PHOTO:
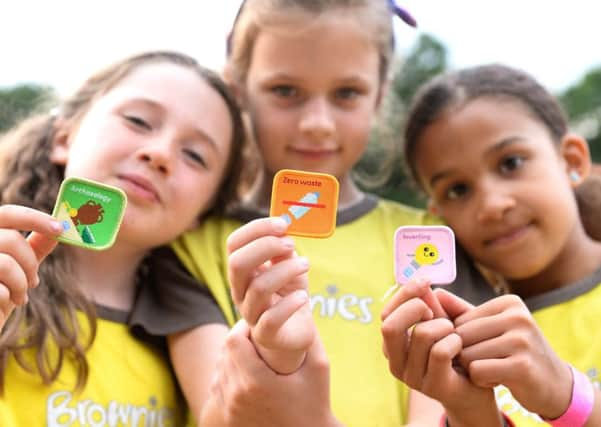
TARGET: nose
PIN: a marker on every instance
(158, 154)
(317, 118)
(495, 202)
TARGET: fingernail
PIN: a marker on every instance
(303, 262)
(56, 226)
(301, 295)
(288, 242)
(279, 224)
(36, 281)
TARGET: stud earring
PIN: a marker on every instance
(574, 176)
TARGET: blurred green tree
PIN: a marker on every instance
(19, 102)
(381, 169)
(582, 103)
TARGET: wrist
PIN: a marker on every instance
(552, 402)
(282, 362)
(581, 402)
(477, 409)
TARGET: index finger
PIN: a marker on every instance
(452, 305)
(405, 293)
(490, 308)
(27, 219)
(255, 229)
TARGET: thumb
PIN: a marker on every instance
(452, 304)
(41, 244)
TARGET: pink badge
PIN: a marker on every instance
(424, 252)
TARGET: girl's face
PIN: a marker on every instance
(495, 176)
(312, 92)
(163, 135)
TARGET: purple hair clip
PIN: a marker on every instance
(402, 13)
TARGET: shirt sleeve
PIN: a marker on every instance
(171, 300)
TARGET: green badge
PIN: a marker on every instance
(90, 213)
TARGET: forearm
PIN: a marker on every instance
(486, 413)
(215, 415)
(476, 419)
(194, 355)
(423, 410)
(210, 416)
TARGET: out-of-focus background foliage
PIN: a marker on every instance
(379, 171)
(19, 102)
(428, 57)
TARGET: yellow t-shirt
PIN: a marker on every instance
(130, 384)
(349, 274)
(569, 318)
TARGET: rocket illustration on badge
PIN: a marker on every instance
(300, 208)
(425, 254)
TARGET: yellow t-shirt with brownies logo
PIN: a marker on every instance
(130, 384)
(350, 272)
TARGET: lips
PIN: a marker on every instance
(313, 152)
(507, 235)
(139, 187)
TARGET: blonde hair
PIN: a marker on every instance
(374, 17)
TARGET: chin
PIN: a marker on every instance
(519, 272)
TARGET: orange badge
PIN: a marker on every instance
(307, 201)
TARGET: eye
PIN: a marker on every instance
(511, 163)
(195, 157)
(456, 191)
(285, 91)
(347, 93)
(138, 122)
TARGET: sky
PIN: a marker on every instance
(60, 42)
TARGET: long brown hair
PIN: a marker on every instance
(49, 322)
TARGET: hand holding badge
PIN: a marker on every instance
(89, 212)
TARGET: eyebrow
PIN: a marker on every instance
(277, 76)
(499, 146)
(356, 82)
(158, 106)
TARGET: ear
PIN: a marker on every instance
(574, 150)
(432, 208)
(60, 143)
